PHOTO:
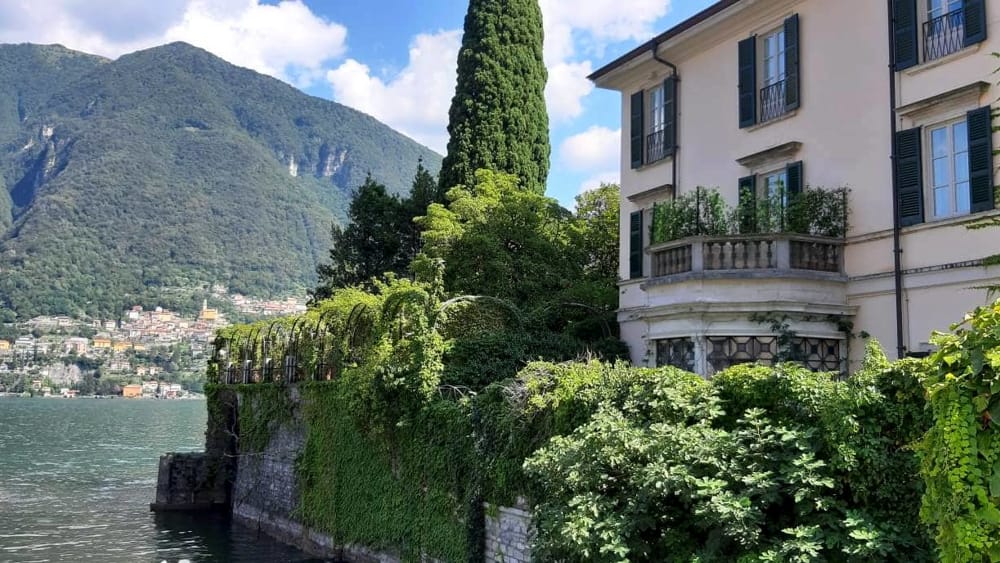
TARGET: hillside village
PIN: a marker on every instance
(144, 353)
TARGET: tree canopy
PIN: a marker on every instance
(498, 119)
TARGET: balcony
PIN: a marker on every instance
(726, 282)
(717, 256)
(944, 35)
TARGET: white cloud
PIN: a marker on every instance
(415, 100)
(605, 21)
(595, 181)
(566, 88)
(597, 148)
(286, 40)
(575, 29)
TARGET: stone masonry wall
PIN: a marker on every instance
(189, 481)
(508, 534)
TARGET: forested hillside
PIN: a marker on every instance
(171, 168)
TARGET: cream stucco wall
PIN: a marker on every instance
(844, 130)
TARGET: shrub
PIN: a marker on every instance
(760, 464)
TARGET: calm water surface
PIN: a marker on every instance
(77, 477)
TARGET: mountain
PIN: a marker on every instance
(170, 168)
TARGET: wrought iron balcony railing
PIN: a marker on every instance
(944, 35)
(774, 252)
(772, 101)
(656, 146)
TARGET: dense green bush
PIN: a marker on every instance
(760, 464)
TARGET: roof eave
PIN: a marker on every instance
(647, 47)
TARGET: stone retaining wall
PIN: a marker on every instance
(508, 534)
(190, 481)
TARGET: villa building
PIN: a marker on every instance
(766, 101)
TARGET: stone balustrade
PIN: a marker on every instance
(773, 252)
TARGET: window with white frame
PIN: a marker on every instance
(931, 29)
(948, 168)
(944, 28)
(944, 162)
(774, 57)
(653, 123)
(768, 67)
(773, 186)
(656, 114)
(772, 72)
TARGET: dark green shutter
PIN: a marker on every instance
(980, 159)
(792, 63)
(635, 245)
(670, 114)
(904, 26)
(636, 128)
(793, 175)
(748, 81)
(909, 177)
(974, 17)
(748, 205)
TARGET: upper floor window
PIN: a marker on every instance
(653, 123)
(948, 158)
(655, 129)
(935, 28)
(772, 92)
(769, 74)
(946, 168)
(944, 30)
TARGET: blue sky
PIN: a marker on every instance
(393, 59)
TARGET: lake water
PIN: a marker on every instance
(77, 477)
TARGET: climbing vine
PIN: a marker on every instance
(960, 455)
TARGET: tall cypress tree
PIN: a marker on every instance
(498, 118)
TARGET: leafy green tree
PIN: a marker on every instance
(498, 118)
(597, 231)
(423, 193)
(499, 240)
(382, 236)
(368, 247)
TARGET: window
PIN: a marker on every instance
(727, 351)
(655, 145)
(945, 26)
(676, 352)
(944, 29)
(774, 187)
(653, 123)
(774, 58)
(772, 92)
(764, 197)
(948, 157)
(946, 168)
(816, 354)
